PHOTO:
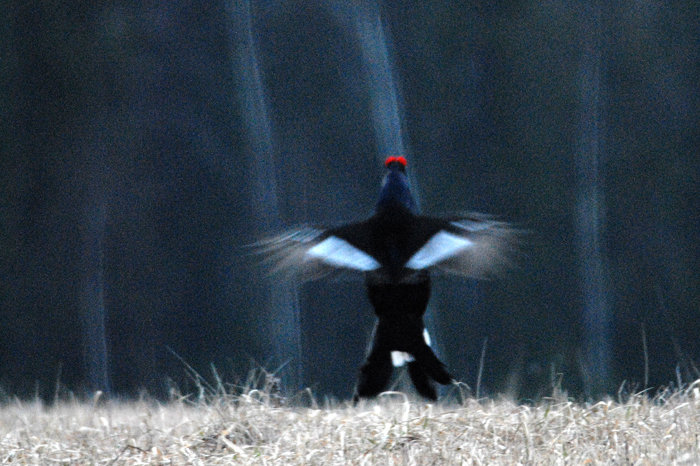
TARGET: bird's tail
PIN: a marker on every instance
(426, 362)
(424, 385)
(424, 367)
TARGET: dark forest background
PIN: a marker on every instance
(143, 144)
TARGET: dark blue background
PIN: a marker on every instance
(131, 168)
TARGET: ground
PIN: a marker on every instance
(257, 427)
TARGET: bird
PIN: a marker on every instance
(397, 249)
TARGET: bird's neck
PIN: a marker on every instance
(395, 194)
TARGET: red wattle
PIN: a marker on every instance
(400, 159)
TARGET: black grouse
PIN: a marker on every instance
(396, 248)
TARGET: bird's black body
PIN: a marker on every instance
(400, 308)
(400, 298)
(396, 248)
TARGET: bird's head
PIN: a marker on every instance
(396, 191)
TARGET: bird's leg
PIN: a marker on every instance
(375, 373)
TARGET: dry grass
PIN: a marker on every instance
(254, 427)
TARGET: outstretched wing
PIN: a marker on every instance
(473, 245)
(311, 252)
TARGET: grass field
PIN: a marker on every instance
(255, 427)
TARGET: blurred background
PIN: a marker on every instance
(143, 144)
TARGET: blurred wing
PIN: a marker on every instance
(336, 251)
(312, 253)
(472, 246)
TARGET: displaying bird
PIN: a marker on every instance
(396, 249)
